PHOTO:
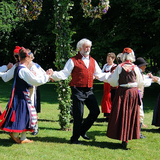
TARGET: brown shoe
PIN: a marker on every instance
(17, 140)
(26, 141)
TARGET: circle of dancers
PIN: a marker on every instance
(121, 105)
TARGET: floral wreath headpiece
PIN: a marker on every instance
(29, 9)
(94, 12)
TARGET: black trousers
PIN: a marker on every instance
(81, 96)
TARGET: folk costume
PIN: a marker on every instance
(124, 118)
(156, 112)
(20, 115)
(82, 70)
(108, 92)
(35, 92)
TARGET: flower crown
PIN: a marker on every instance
(29, 9)
(94, 12)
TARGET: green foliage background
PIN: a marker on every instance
(128, 23)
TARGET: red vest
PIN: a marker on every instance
(81, 75)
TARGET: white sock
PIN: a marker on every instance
(15, 134)
(23, 136)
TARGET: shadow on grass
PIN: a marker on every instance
(47, 120)
(153, 130)
(49, 128)
(109, 145)
(6, 142)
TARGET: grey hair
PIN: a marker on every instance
(128, 56)
(83, 41)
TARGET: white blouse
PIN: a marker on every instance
(7, 76)
(3, 68)
(107, 67)
(113, 79)
(26, 75)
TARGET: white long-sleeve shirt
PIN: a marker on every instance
(3, 68)
(7, 76)
(38, 70)
(147, 81)
(113, 79)
(27, 76)
(64, 74)
(107, 67)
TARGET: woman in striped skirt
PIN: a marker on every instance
(124, 118)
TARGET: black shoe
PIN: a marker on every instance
(35, 132)
(141, 136)
(71, 121)
(85, 137)
(76, 142)
(124, 144)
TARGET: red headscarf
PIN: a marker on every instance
(127, 50)
(16, 50)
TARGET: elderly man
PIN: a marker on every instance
(82, 68)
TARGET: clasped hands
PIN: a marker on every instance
(154, 78)
(50, 72)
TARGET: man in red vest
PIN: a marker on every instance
(82, 68)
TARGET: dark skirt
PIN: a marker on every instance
(156, 113)
(38, 100)
(19, 115)
(124, 122)
(21, 118)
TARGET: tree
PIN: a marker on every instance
(8, 22)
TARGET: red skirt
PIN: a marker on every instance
(106, 102)
(124, 122)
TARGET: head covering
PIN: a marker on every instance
(140, 62)
(16, 50)
(127, 50)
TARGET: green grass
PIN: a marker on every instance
(53, 144)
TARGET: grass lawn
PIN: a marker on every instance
(53, 144)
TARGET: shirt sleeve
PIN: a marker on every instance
(3, 68)
(139, 78)
(158, 80)
(147, 81)
(30, 78)
(113, 79)
(104, 67)
(7, 76)
(64, 74)
(37, 71)
(99, 74)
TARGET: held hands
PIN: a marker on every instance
(50, 72)
(9, 65)
(155, 79)
(150, 75)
